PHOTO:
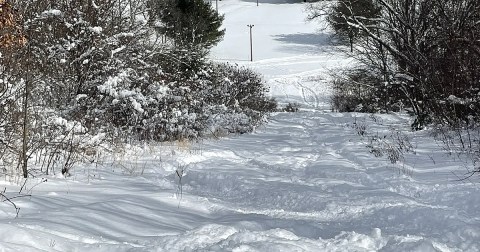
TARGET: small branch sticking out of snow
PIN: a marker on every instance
(4, 198)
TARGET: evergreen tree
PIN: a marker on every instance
(191, 23)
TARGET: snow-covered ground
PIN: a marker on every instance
(303, 182)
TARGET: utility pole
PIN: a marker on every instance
(251, 44)
(257, 2)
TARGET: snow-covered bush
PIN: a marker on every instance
(242, 92)
(360, 90)
(171, 106)
(291, 107)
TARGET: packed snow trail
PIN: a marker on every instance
(303, 182)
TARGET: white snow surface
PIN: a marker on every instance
(303, 182)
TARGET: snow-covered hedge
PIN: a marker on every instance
(170, 106)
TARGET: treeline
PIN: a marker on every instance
(78, 73)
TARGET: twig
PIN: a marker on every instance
(23, 186)
(180, 170)
(9, 200)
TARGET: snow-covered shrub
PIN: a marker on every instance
(60, 143)
(148, 98)
(291, 107)
(136, 99)
(359, 90)
(237, 98)
(463, 143)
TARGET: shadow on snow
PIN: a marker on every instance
(275, 1)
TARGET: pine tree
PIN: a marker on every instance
(191, 23)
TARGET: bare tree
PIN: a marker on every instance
(422, 54)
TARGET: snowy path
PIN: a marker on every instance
(307, 175)
(303, 182)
